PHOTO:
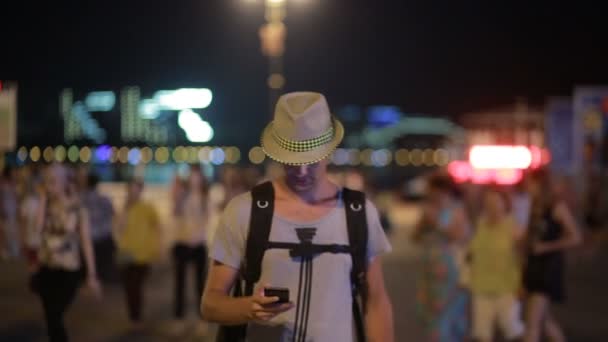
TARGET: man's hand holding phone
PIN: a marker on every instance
(264, 308)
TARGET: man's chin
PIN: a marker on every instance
(300, 188)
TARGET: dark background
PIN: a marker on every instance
(442, 58)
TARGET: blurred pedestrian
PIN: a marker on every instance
(495, 269)
(138, 232)
(8, 215)
(65, 236)
(552, 231)
(444, 227)
(30, 232)
(101, 214)
(231, 184)
(522, 202)
(190, 249)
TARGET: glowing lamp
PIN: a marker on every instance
(500, 157)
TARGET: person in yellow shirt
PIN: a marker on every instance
(495, 270)
(138, 235)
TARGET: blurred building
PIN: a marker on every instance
(516, 124)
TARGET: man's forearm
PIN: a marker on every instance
(379, 321)
(220, 308)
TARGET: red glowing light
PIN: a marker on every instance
(500, 157)
(459, 170)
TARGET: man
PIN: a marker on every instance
(101, 213)
(301, 137)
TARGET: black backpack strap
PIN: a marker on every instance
(260, 222)
(356, 222)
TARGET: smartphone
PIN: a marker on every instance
(281, 292)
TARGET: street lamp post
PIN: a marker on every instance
(272, 36)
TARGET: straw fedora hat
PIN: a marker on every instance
(303, 130)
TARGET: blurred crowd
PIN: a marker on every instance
(491, 256)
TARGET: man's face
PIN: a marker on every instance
(303, 178)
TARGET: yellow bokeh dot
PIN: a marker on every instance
(85, 154)
(161, 155)
(416, 157)
(123, 155)
(257, 155)
(366, 157)
(233, 155)
(146, 155)
(276, 81)
(192, 153)
(73, 154)
(35, 153)
(441, 157)
(114, 155)
(48, 154)
(180, 154)
(60, 153)
(428, 157)
(402, 157)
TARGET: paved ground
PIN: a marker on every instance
(585, 316)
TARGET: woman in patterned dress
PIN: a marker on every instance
(441, 302)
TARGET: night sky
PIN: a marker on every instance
(441, 58)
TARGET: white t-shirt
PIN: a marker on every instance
(327, 298)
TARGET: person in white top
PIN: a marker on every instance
(190, 249)
(64, 234)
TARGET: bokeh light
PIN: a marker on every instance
(217, 156)
(134, 156)
(123, 155)
(85, 154)
(146, 155)
(257, 155)
(114, 155)
(204, 155)
(161, 155)
(22, 153)
(402, 157)
(340, 157)
(180, 154)
(441, 157)
(60, 153)
(416, 157)
(233, 155)
(73, 154)
(103, 153)
(366, 157)
(354, 157)
(428, 157)
(381, 158)
(35, 153)
(48, 154)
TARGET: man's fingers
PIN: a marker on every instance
(264, 316)
(277, 308)
(260, 290)
(266, 300)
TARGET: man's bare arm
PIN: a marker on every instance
(379, 315)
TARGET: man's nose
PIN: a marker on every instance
(302, 170)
